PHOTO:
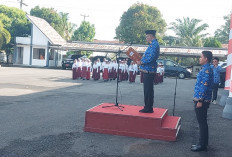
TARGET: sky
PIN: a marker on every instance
(106, 14)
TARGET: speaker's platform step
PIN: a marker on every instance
(130, 122)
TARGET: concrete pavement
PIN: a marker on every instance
(42, 113)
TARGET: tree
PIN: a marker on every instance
(67, 27)
(85, 32)
(222, 34)
(137, 19)
(189, 32)
(212, 42)
(4, 35)
(51, 16)
(170, 41)
(15, 22)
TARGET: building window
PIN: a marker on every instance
(39, 54)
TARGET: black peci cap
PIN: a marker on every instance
(152, 32)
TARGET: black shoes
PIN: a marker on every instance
(198, 148)
(146, 111)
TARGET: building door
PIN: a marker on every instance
(20, 55)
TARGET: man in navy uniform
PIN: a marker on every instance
(148, 67)
(202, 98)
(216, 75)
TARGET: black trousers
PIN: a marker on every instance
(201, 114)
(215, 90)
(148, 88)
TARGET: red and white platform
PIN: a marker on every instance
(130, 122)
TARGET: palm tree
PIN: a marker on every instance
(223, 33)
(67, 27)
(4, 35)
(189, 32)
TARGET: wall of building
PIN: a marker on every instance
(26, 55)
(38, 37)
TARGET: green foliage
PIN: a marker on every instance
(85, 32)
(170, 41)
(67, 27)
(137, 19)
(59, 21)
(71, 53)
(189, 32)
(15, 24)
(212, 42)
(14, 21)
(4, 35)
(222, 34)
(51, 16)
(6, 21)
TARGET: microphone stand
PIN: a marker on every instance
(116, 100)
(173, 112)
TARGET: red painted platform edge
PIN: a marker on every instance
(173, 119)
(165, 113)
(158, 118)
(130, 134)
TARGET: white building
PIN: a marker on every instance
(37, 50)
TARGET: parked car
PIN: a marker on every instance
(222, 74)
(173, 69)
(68, 62)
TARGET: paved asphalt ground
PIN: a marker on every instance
(42, 114)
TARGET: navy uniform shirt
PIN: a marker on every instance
(148, 61)
(216, 73)
(203, 87)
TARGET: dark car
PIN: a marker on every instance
(68, 62)
(222, 74)
(100, 57)
(171, 68)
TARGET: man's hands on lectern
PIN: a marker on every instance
(138, 62)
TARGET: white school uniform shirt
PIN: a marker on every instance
(84, 64)
(158, 70)
(115, 65)
(99, 65)
(106, 66)
(110, 66)
(74, 65)
(135, 67)
(121, 67)
(161, 70)
(95, 66)
(103, 65)
(126, 67)
(131, 68)
(89, 65)
(79, 64)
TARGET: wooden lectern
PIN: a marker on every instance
(133, 55)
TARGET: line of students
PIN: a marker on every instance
(159, 75)
(82, 68)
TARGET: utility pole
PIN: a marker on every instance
(84, 16)
(22, 3)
